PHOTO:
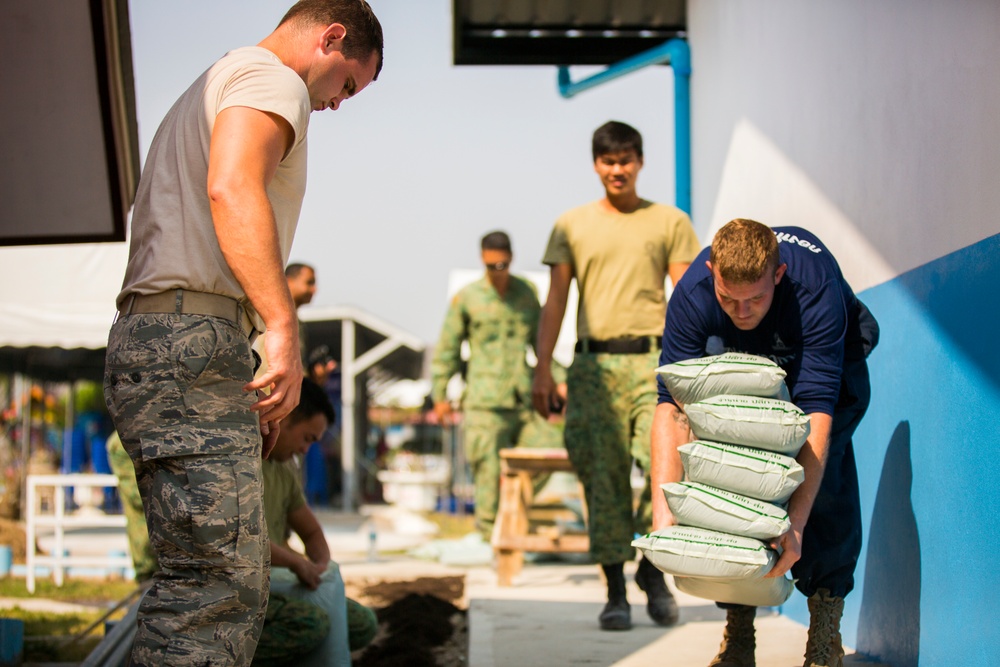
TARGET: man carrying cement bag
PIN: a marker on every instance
(780, 294)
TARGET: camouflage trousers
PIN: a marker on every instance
(143, 556)
(292, 629)
(486, 433)
(174, 388)
(609, 413)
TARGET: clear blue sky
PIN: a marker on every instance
(405, 178)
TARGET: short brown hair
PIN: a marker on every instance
(743, 251)
(364, 32)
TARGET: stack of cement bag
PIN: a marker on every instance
(738, 476)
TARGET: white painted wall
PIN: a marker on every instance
(874, 124)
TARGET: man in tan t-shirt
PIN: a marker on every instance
(212, 226)
(620, 249)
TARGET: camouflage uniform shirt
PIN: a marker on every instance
(499, 330)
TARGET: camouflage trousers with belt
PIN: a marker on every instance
(174, 388)
(609, 414)
(486, 433)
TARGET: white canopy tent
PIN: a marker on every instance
(60, 296)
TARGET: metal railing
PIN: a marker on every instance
(59, 520)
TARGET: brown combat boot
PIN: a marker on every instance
(825, 647)
(738, 643)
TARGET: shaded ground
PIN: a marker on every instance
(420, 622)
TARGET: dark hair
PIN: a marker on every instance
(615, 137)
(364, 32)
(295, 268)
(313, 401)
(496, 241)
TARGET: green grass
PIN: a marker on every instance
(48, 633)
(55, 624)
(453, 526)
(80, 591)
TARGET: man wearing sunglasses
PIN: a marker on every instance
(620, 249)
(498, 316)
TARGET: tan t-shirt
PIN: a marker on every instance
(173, 242)
(620, 263)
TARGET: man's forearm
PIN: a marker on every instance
(812, 457)
(250, 247)
(549, 324)
(317, 548)
(669, 431)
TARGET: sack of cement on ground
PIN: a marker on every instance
(756, 473)
(695, 380)
(762, 592)
(698, 552)
(765, 423)
(702, 506)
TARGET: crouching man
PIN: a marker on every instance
(311, 577)
(780, 294)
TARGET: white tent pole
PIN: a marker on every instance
(24, 398)
(347, 444)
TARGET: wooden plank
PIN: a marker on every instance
(543, 543)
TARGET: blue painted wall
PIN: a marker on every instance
(928, 456)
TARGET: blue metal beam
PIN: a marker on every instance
(677, 54)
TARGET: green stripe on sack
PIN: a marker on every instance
(703, 488)
(709, 445)
(670, 538)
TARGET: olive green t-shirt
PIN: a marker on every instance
(620, 262)
(282, 494)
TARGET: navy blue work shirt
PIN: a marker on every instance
(812, 323)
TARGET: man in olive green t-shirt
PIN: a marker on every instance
(620, 249)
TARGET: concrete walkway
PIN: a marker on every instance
(548, 617)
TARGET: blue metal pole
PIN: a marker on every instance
(677, 53)
(680, 61)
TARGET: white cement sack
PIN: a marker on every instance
(694, 504)
(765, 423)
(697, 552)
(756, 473)
(753, 592)
(736, 373)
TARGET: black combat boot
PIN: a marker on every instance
(617, 615)
(660, 603)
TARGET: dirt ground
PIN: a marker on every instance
(421, 622)
(12, 534)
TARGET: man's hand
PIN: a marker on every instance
(283, 377)
(543, 390)
(789, 545)
(269, 432)
(310, 574)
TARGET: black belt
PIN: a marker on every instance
(640, 345)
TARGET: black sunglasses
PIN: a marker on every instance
(497, 266)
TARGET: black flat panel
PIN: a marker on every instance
(561, 32)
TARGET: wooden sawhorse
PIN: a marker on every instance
(510, 532)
